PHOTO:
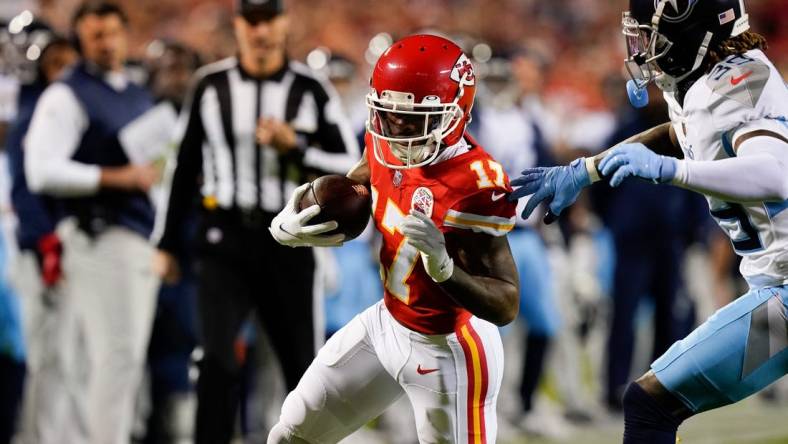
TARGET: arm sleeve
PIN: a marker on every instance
(759, 173)
(58, 124)
(182, 172)
(333, 148)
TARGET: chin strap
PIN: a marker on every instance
(657, 15)
(669, 83)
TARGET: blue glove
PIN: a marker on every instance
(558, 186)
(634, 159)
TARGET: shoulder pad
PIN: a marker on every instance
(739, 78)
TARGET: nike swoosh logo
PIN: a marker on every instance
(497, 196)
(736, 80)
(282, 228)
(425, 371)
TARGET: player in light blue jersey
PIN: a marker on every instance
(727, 139)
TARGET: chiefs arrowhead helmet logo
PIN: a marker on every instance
(463, 67)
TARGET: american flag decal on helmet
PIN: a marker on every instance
(726, 17)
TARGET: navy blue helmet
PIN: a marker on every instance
(667, 40)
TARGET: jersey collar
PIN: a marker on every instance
(453, 151)
(275, 77)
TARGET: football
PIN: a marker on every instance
(341, 199)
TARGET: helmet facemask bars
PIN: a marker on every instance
(645, 45)
(413, 131)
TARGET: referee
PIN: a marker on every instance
(257, 125)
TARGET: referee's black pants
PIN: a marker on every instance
(240, 269)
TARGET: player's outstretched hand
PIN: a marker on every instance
(424, 235)
(634, 159)
(556, 186)
(290, 228)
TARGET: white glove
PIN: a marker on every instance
(289, 226)
(422, 233)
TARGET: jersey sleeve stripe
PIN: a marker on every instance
(494, 225)
(479, 218)
(727, 145)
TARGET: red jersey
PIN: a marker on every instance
(465, 189)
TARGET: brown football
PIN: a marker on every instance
(341, 199)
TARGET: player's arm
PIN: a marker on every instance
(360, 171)
(758, 173)
(485, 279)
(755, 172)
(661, 139)
(559, 186)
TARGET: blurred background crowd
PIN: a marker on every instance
(624, 273)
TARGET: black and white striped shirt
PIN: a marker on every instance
(219, 142)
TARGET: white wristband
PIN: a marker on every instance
(440, 273)
(593, 173)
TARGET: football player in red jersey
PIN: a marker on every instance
(449, 277)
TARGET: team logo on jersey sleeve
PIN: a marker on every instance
(422, 201)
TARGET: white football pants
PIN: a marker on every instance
(452, 382)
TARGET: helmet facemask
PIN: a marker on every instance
(647, 47)
(413, 131)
